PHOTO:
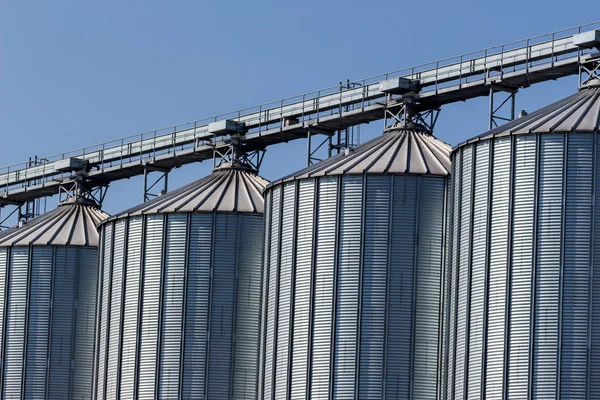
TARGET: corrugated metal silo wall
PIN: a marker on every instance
(170, 324)
(351, 287)
(47, 311)
(524, 298)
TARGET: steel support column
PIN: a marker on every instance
(503, 110)
(313, 146)
(150, 185)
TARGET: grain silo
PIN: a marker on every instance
(352, 276)
(524, 296)
(179, 292)
(48, 279)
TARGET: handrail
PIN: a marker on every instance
(260, 118)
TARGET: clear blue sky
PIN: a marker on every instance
(74, 73)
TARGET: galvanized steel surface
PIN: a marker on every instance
(47, 321)
(179, 296)
(399, 151)
(72, 223)
(225, 190)
(351, 287)
(579, 112)
(523, 287)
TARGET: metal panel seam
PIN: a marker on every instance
(469, 273)
(293, 287)
(122, 322)
(74, 317)
(456, 267)
(159, 325)
(387, 285)
(562, 267)
(50, 320)
(186, 269)
(138, 339)
(26, 327)
(414, 290)
(447, 279)
(487, 269)
(210, 294)
(108, 308)
(591, 270)
(235, 300)
(277, 283)
(336, 257)
(534, 255)
(509, 252)
(360, 286)
(312, 287)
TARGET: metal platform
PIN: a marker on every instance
(507, 67)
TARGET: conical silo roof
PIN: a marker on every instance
(579, 112)
(403, 150)
(72, 223)
(228, 189)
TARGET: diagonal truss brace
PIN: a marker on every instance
(589, 71)
(407, 115)
(79, 188)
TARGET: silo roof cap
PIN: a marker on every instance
(411, 150)
(72, 223)
(227, 189)
(579, 112)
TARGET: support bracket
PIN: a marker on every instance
(150, 185)
(502, 109)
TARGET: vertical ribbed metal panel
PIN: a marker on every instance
(536, 316)
(264, 293)
(222, 312)
(271, 304)
(521, 266)
(40, 296)
(4, 285)
(367, 258)
(103, 308)
(478, 268)
(63, 309)
(84, 326)
(452, 296)
(197, 308)
(15, 322)
(430, 258)
(130, 308)
(172, 305)
(48, 321)
(374, 290)
(547, 279)
(151, 299)
(403, 202)
(302, 290)
(182, 290)
(285, 288)
(323, 287)
(114, 321)
(248, 306)
(348, 253)
(497, 290)
(576, 264)
(594, 300)
(464, 242)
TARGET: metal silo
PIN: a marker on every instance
(179, 292)
(48, 275)
(353, 268)
(524, 293)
